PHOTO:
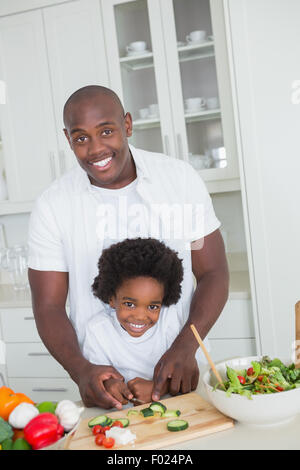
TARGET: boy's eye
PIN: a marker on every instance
(153, 307)
(129, 304)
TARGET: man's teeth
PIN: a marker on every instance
(103, 162)
(137, 326)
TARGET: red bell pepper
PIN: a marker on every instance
(43, 430)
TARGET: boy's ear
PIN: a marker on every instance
(112, 302)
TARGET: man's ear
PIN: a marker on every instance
(128, 124)
(68, 138)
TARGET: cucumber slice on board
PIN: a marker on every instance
(158, 407)
(132, 412)
(177, 425)
(171, 414)
(147, 412)
(102, 420)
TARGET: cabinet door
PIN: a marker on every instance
(77, 58)
(196, 54)
(137, 70)
(27, 119)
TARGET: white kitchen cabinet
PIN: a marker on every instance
(77, 57)
(27, 119)
(168, 73)
(30, 368)
(45, 55)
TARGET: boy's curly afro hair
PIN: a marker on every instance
(138, 257)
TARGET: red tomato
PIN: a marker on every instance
(260, 378)
(118, 424)
(99, 439)
(97, 429)
(242, 379)
(108, 442)
(105, 428)
(250, 371)
(280, 389)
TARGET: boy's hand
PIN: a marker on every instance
(118, 389)
(141, 388)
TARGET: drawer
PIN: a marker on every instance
(18, 325)
(31, 360)
(222, 349)
(46, 389)
(236, 321)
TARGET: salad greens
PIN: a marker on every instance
(263, 377)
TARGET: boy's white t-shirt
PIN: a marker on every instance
(107, 343)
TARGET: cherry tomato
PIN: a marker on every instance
(118, 424)
(242, 379)
(108, 442)
(97, 429)
(260, 378)
(99, 439)
(280, 389)
(250, 371)
(105, 428)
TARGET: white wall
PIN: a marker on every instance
(265, 36)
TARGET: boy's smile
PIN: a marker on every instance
(138, 302)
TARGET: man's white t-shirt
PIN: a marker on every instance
(66, 225)
(107, 343)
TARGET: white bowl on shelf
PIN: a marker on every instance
(261, 410)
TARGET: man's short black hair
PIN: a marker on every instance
(138, 257)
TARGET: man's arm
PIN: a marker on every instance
(49, 291)
(210, 268)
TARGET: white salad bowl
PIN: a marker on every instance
(261, 410)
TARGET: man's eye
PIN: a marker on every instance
(107, 132)
(80, 139)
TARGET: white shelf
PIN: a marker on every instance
(8, 207)
(146, 123)
(185, 54)
(203, 115)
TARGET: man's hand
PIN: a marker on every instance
(141, 388)
(92, 389)
(118, 389)
(177, 370)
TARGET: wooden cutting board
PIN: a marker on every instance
(152, 433)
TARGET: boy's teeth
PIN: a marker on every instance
(103, 162)
(137, 326)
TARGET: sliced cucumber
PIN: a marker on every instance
(102, 420)
(147, 412)
(157, 406)
(177, 425)
(124, 421)
(109, 422)
(132, 412)
(171, 414)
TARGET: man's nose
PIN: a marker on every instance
(96, 147)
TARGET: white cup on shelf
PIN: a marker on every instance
(194, 104)
(213, 102)
(136, 47)
(196, 37)
(153, 110)
(144, 113)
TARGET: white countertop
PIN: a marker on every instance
(240, 437)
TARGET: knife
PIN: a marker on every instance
(136, 401)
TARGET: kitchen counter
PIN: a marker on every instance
(240, 437)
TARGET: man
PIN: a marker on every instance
(67, 236)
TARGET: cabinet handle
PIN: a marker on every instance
(167, 145)
(179, 146)
(2, 381)
(28, 318)
(39, 354)
(62, 161)
(41, 389)
(52, 166)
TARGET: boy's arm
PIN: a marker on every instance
(49, 291)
